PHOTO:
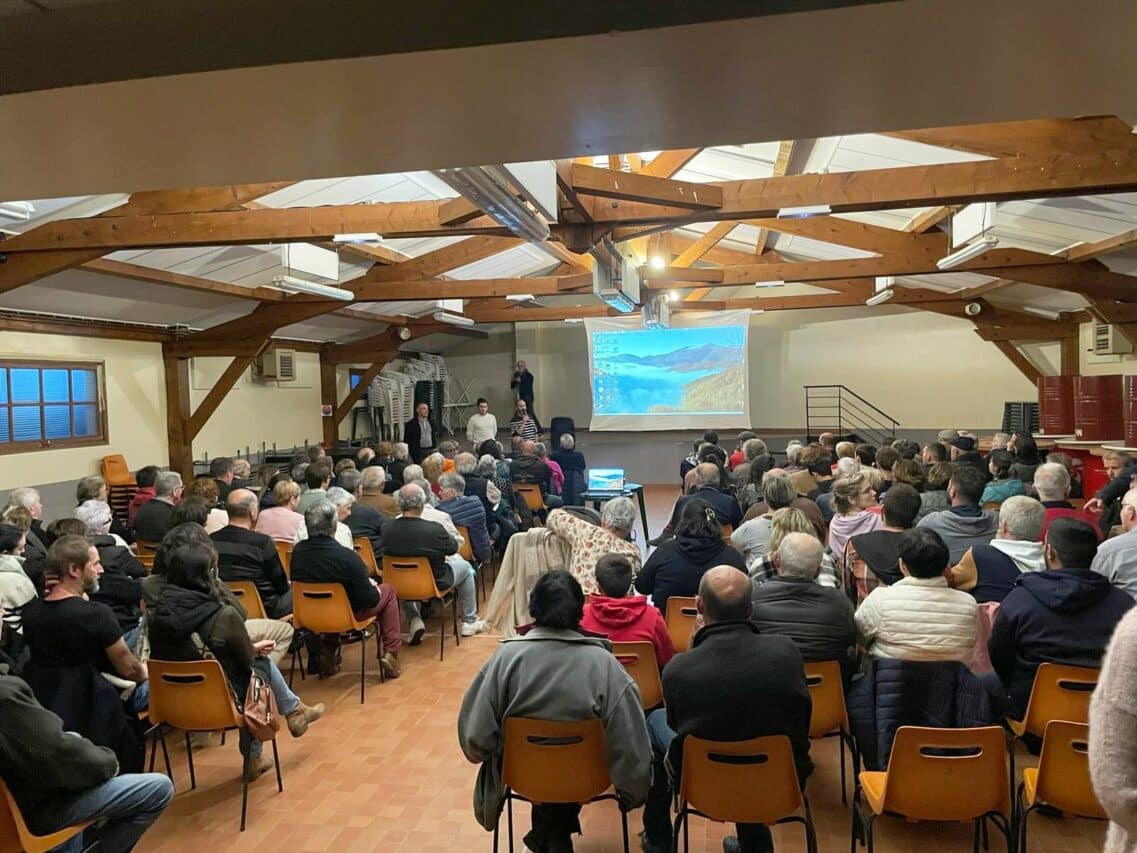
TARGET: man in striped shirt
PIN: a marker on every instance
(523, 424)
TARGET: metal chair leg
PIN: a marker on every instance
(442, 632)
(841, 740)
(362, 668)
(245, 785)
(454, 616)
(624, 821)
(276, 763)
(189, 755)
(509, 814)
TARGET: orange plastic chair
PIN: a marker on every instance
(323, 608)
(939, 775)
(147, 560)
(1077, 503)
(194, 696)
(465, 550)
(284, 551)
(992, 505)
(721, 781)
(681, 615)
(142, 547)
(830, 718)
(727, 530)
(532, 494)
(15, 834)
(366, 552)
(546, 761)
(641, 664)
(116, 472)
(1060, 692)
(1062, 778)
(413, 580)
(247, 593)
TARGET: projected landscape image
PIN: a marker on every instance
(662, 371)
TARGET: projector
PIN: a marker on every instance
(616, 280)
(657, 313)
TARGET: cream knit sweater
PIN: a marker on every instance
(1113, 737)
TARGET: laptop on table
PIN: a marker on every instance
(606, 481)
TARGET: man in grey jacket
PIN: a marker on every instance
(553, 672)
(966, 523)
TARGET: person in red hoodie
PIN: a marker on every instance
(621, 617)
(145, 479)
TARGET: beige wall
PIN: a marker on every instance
(136, 407)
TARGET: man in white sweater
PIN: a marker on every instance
(919, 618)
(481, 426)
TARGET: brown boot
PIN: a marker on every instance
(258, 767)
(299, 719)
(390, 664)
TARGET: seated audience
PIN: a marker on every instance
(1065, 614)
(144, 477)
(1052, 485)
(363, 519)
(707, 481)
(321, 559)
(314, 452)
(154, 519)
(65, 629)
(480, 487)
(793, 450)
(59, 779)
(281, 521)
(621, 616)
(412, 535)
(16, 588)
(965, 523)
(709, 453)
(554, 672)
(1000, 440)
(1121, 470)
(734, 683)
(38, 541)
(589, 542)
(529, 468)
(193, 510)
(1116, 558)
(192, 617)
(318, 478)
(783, 522)
(866, 455)
(964, 455)
(845, 450)
(364, 457)
(558, 474)
(221, 470)
(749, 490)
(677, 565)
(910, 472)
(1113, 737)
(1067, 462)
(919, 618)
(384, 454)
(810, 508)
(878, 550)
(933, 453)
(342, 501)
(400, 458)
(752, 448)
(886, 457)
(206, 489)
(120, 586)
(432, 467)
(989, 570)
(738, 455)
(752, 537)
(1003, 486)
(242, 474)
(374, 491)
(817, 476)
(466, 512)
(818, 619)
(245, 555)
(935, 498)
(501, 475)
(1022, 444)
(573, 465)
(92, 488)
(907, 449)
(854, 498)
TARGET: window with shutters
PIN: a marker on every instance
(46, 404)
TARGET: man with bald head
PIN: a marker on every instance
(734, 683)
(245, 555)
(527, 467)
(707, 478)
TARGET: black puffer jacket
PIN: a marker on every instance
(677, 566)
(818, 619)
(120, 587)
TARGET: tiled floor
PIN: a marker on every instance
(388, 776)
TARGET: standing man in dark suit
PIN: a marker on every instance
(522, 383)
(419, 435)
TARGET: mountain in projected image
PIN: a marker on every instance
(686, 359)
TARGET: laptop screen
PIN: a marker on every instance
(605, 479)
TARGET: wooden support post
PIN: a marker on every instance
(178, 415)
(1071, 356)
(360, 389)
(328, 398)
(1018, 360)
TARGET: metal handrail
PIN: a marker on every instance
(870, 418)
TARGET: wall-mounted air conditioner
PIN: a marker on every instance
(277, 364)
(1108, 340)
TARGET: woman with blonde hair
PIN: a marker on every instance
(281, 521)
(855, 512)
(206, 489)
(432, 467)
(783, 522)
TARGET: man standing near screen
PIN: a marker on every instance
(524, 424)
(482, 426)
(522, 383)
(419, 435)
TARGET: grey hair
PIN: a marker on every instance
(1023, 517)
(799, 556)
(166, 482)
(779, 492)
(320, 518)
(427, 490)
(1052, 482)
(374, 476)
(487, 465)
(465, 463)
(752, 448)
(412, 473)
(96, 515)
(340, 497)
(567, 441)
(847, 465)
(401, 450)
(792, 450)
(540, 450)
(619, 514)
(410, 496)
(453, 481)
(24, 496)
(242, 464)
(999, 440)
(448, 447)
(349, 480)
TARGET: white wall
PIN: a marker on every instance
(135, 399)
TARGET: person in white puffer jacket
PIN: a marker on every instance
(16, 588)
(919, 618)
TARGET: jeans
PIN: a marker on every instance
(129, 804)
(464, 588)
(286, 703)
(752, 837)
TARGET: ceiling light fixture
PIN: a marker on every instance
(971, 250)
(362, 237)
(658, 263)
(777, 282)
(452, 319)
(21, 211)
(521, 297)
(574, 319)
(880, 298)
(804, 211)
(488, 187)
(291, 284)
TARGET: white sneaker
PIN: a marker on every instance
(471, 628)
(417, 630)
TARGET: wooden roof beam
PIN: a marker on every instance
(628, 186)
